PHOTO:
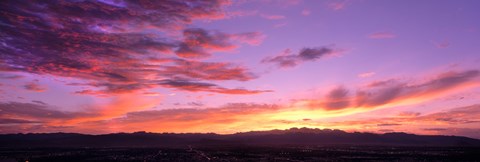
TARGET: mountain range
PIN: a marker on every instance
(293, 136)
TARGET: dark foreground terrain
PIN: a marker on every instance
(245, 153)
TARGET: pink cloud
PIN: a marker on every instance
(280, 25)
(306, 12)
(366, 75)
(200, 43)
(382, 35)
(251, 38)
(34, 86)
(272, 17)
(234, 14)
(396, 92)
(441, 44)
(337, 5)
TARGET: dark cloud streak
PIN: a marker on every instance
(306, 54)
(193, 86)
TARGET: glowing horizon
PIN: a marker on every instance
(233, 66)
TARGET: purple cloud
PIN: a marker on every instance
(287, 59)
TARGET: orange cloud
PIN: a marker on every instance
(445, 122)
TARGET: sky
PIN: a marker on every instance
(222, 66)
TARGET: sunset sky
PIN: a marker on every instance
(231, 66)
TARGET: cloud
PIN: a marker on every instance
(382, 35)
(281, 3)
(118, 16)
(380, 83)
(195, 104)
(366, 75)
(395, 92)
(197, 41)
(179, 69)
(338, 5)
(435, 129)
(386, 130)
(408, 114)
(131, 112)
(241, 13)
(272, 17)
(39, 102)
(116, 47)
(52, 116)
(388, 124)
(287, 59)
(207, 71)
(35, 112)
(227, 118)
(337, 99)
(441, 44)
(280, 25)
(460, 115)
(239, 116)
(251, 38)
(16, 121)
(34, 86)
(10, 76)
(454, 121)
(306, 12)
(193, 86)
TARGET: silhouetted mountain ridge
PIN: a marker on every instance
(293, 136)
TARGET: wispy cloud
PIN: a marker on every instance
(193, 86)
(35, 86)
(10, 76)
(382, 35)
(366, 74)
(441, 44)
(337, 5)
(12, 111)
(394, 92)
(287, 59)
(272, 17)
(306, 12)
(280, 25)
(454, 121)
